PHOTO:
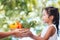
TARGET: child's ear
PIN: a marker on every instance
(51, 17)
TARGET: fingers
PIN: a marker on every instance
(22, 33)
(23, 30)
(26, 34)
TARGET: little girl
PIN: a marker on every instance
(51, 17)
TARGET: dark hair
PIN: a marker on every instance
(54, 11)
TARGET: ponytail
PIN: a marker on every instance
(56, 19)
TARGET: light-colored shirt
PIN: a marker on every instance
(54, 37)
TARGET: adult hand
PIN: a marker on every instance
(20, 32)
(16, 33)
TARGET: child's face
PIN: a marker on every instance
(45, 16)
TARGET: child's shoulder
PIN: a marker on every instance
(52, 26)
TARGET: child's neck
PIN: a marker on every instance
(50, 23)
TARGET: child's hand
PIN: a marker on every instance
(26, 33)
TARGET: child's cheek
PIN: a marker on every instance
(45, 19)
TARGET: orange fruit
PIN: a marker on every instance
(19, 25)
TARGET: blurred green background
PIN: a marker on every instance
(27, 12)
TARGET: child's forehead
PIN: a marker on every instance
(44, 12)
